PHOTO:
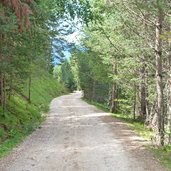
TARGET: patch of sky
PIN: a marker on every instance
(67, 38)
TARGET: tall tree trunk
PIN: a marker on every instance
(113, 106)
(5, 98)
(147, 121)
(10, 86)
(2, 92)
(159, 82)
(1, 74)
(142, 92)
(29, 89)
(143, 76)
(1, 89)
(94, 90)
(169, 91)
(113, 98)
(135, 101)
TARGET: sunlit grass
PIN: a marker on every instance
(22, 118)
(136, 125)
(163, 154)
(10, 143)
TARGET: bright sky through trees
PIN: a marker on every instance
(68, 37)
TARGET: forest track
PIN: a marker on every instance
(79, 137)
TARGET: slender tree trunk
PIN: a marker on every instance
(159, 82)
(147, 121)
(135, 101)
(5, 98)
(143, 76)
(1, 90)
(142, 92)
(10, 87)
(1, 75)
(113, 107)
(169, 91)
(169, 107)
(29, 89)
(113, 98)
(94, 90)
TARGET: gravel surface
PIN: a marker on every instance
(79, 137)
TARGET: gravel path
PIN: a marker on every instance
(79, 137)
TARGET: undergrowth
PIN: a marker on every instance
(137, 125)
(163, 154)
(21, 117)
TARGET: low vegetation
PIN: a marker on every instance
(137, 125)
(22, 117)
(162, 154)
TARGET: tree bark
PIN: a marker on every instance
(142, 93)
(159, 81)
(10, 87)
(29, 90)
(94, 90)
(113, 107)
(169, 91)
(1, 90)
(147, 121)
(135, 101)
(113, 98)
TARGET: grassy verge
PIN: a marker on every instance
(10, 143)
(162, 154)
(22, 118)
(136, 125)
(98, 105)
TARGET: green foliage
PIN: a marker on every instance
(116, 54)
(21, 117)
(27, 31)
(88, 74)
(1, 133)
(101, 106)
(9, 144)
(122, 50)
(65, 75)
(136, 125)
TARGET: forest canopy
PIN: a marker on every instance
(28, 29)
(125, 61)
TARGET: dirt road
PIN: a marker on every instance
(79, 137)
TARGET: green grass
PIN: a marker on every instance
(163, 154)
(136, 125)
(98, 105)
(10, 143)
(22, 118)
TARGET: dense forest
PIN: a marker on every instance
(28, 29)
(124, 62)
